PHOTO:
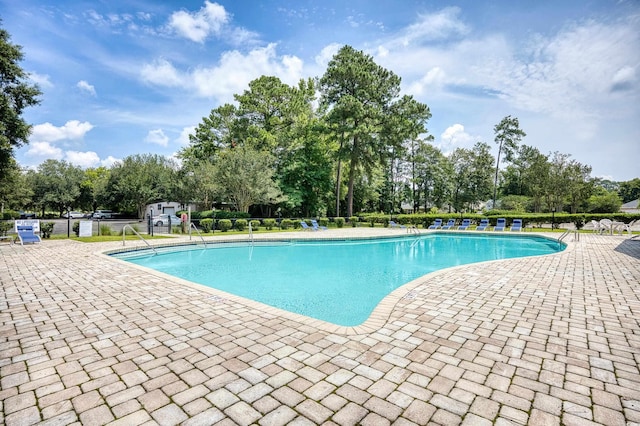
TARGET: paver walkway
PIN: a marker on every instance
(544, 341)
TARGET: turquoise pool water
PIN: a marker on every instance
(336, 281)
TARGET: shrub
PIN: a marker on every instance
(296, 224)
(372, 221)
(255, 224)
(76, 228)
(224, 224)
(206, 225)
(323, 221)
(4, 227)
(46, 228)
(176, 229)
(339, 221)
(241, 224)
(269, 224)
(354, 221)
(104, 229)
(286, 223)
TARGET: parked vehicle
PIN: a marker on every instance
(103, 214)
(73, 215)
(27, 215)
(163, 219)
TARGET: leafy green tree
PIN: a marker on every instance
(472, 179)
(433, 176)
(603, 201)
(630, 190)
(507, 135)
(245, 176)
(15, 191)
(579, 184)
(16, 94)
(139, 180)
(57, 185)
(93, 187)
(360, 97)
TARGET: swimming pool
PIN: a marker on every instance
(340, 282)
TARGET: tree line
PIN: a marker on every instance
(343, 143)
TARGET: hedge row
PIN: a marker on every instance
(578, 219)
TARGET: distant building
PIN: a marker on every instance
(631, 207)
(166, 207)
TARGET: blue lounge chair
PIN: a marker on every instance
(436, 224)
(306, 227)
(450, 224)
(26, 235)
(392, 224)
(483, 226)
(500, 224)
(466, 223)
(314, 224)
(516, 225)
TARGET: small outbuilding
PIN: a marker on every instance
(631, 207)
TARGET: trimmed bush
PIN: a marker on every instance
(269, 224)
(241, 224)
(339, 221)
(255, 224)
(323, 221)
(206, 225)
(224, 224)
(286, 223)
(354, 221)
(296, 224)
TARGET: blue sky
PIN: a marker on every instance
(127, 77)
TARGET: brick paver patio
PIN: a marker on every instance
(544, 341)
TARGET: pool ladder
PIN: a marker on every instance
(250, 234)
(192, 225)
(576, 235)
(124, 236)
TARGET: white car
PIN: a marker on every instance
(163, 219)
(73, 215)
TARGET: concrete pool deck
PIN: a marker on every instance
(546, 340)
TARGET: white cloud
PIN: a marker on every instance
(86, 87)
(230, 76)
(42, 80)
(327, 53)
(109, 161)
(455, 137)
(433, 79)
(434, 26)
(157, 137)
(162, 73)
(199, 25)
(72, 130)
(183, 139)
(44, 150)
(82, 159)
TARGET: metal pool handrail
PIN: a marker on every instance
(124, 236)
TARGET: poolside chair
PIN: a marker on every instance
(436, 224)
(466, 223)
(627, 226)
(314, 224)
(500, 224)
(450, 224)
(483, 226)
(26, 235)
(516, 225)
(605, 226)
(392, 224)
(306, 227)
(596, 226)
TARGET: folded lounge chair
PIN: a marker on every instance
(500, 224)
(314, 224)
(483, 226)
(26, 235)
(392, 224)
(305, 227)
(450, 224)
(436, 224)
(516, 225)
(466, 223)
